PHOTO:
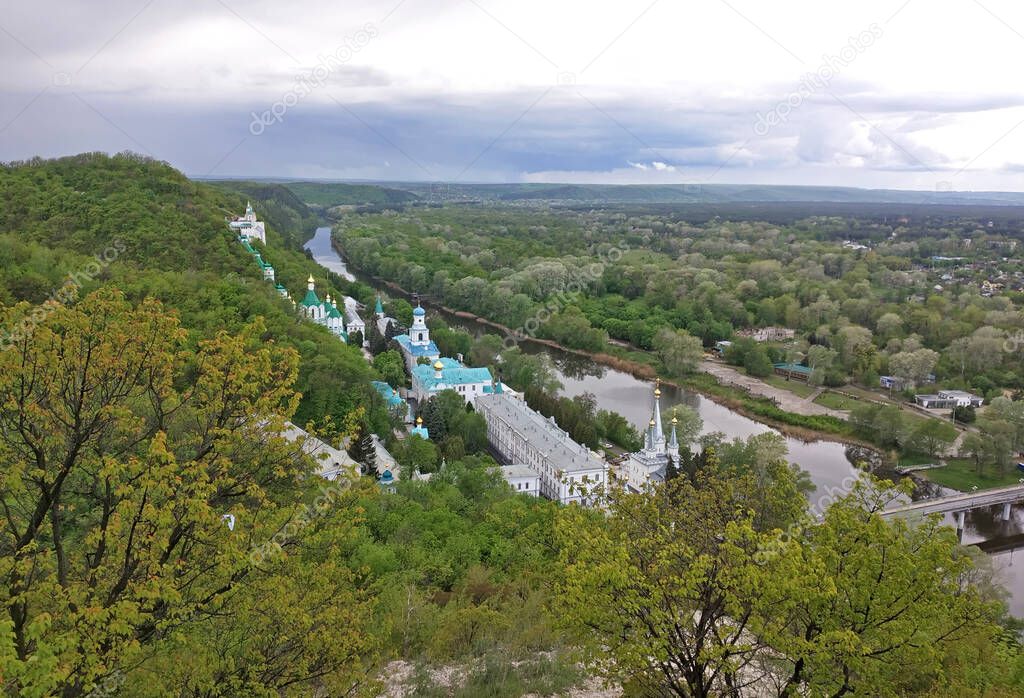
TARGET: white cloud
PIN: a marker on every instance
(669, 89)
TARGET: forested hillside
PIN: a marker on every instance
(287, 216)
(161, 537)
(145, 228)
(120, 278)
(328, 194)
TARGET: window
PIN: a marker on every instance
(420, 336)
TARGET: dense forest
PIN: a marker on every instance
(161, 537)
(932, 298)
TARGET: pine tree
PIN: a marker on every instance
(363, 452)
(671, 470)
(433, 420)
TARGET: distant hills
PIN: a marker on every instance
(699, 193)
(328, 194)
(324, 194)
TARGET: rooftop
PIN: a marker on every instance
(415, 349)
(559, 448)
(795, 368)
(958, 393)
(518, 470)
(452, 373)
(311, 299)
(390, 395)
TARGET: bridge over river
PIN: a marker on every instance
(960, 504)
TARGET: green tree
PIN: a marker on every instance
(678, 592)
(678, 350)
(757, 363)
(124, 449)
(485, 350)
(893, 593)
(391, 367)
(660, 593)
(401, 310)
(932, 437)
(416, 453)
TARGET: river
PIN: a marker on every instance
(824, 460)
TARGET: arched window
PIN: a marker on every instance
(421, 336)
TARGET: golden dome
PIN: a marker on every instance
(310, 279)
(652, 421)
(419, 421)
(657, 387)
(675, 421)
(438, 365)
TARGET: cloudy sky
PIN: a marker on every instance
(918, 94)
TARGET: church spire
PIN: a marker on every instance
(657, 435)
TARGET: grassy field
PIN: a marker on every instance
(961, 474)
(835, 401)
(907, 460)
(796, 387)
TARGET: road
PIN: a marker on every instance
(791, 402)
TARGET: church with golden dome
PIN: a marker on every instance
(650, 463)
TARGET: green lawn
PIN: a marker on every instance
(908, 459)
(796, 387)
(835, 401)
(961, 474)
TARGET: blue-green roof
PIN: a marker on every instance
(452, 374)
(311, 299)
(378, 308)
(429, 349)
(795, 368)
(390, 395)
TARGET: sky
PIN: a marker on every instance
(908, 94)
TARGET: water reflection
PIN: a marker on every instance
(825, 461)
(325, 255)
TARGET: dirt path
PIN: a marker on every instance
(788, 401)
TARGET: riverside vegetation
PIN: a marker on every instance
(144, 406)
(868, 294)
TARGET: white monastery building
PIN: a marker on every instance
(522, 479)
(248, 227)
(567, 471)
(449, 374)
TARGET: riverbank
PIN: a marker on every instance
(638, 363)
